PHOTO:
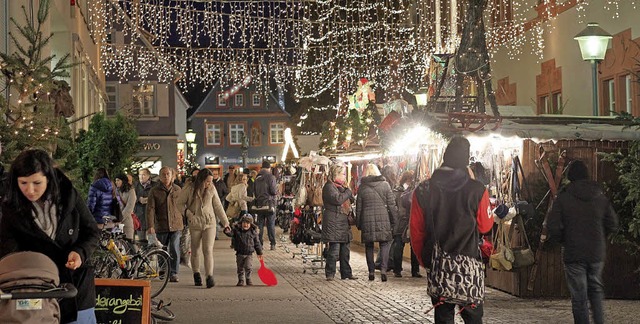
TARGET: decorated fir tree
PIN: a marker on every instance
(33, 115)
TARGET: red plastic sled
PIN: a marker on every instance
(267, 276)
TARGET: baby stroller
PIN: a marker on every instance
(29, 289)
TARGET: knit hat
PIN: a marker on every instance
(577, 171)
(456, 155)
(246, 218)
(501, 211)
(266, 164)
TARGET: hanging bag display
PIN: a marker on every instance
(502, 257)
(522, 255)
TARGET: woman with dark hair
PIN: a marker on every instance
(204, 211)
(400, 231)
(44, 213)
(127, 200)
(100, 196)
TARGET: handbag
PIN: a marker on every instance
(351, 216)
(233, 210)
(523, 255)
(502, 257)
(136, 222)
(456, 279)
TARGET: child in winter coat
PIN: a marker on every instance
(245, 240)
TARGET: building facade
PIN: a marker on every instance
(550, 75)
(245, 128)
(70, 24)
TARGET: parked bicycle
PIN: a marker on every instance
(119, 258)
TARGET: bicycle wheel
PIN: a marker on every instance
(106, 266)
(154, 266)
(161, 312)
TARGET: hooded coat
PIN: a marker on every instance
(99, 199)
(581, 218)
(76, 231)
(376, 210)
(451, 208)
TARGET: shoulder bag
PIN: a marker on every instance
(522, 255)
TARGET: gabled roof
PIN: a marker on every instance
(211, 100)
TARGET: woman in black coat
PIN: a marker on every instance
(377, 213)
(43, 213)
(336, 231)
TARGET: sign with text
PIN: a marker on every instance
(121, 301)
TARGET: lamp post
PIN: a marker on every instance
(190, 135)
(244, 146)
(593, 42)
(422, 97)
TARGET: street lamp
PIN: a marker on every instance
(422, 97)
(593, 42)
(190, 135)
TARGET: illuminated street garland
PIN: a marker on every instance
(314, 45)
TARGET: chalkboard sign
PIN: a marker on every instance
(120, 301)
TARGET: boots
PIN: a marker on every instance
(197, 279)
(249, 282)
(240, 283)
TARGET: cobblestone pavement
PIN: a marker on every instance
(404, 300)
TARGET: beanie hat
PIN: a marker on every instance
(501, 211)
(266, 164)
(577, 171)
(246, 218)
(456, 155)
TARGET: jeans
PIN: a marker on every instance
(86, 316)
(172, 241)
(445, 313)
(585, 285)
(384, 256)
(397, 249)
(338, 251)
(271, 227)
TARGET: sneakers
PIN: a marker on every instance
(174, 278)
(249, 282)
(240, 283)
(197, 279)
(273, 247)
(210, 282)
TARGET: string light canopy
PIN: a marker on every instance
(314, 46)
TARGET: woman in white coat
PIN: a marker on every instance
(203, 211)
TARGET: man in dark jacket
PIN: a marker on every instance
(265, 202)
(142, 192)
(221, 186)
(581, 218)
(453, 209)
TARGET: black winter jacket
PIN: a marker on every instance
(335, 225)
(265, 189)
(376, 209)
(246, 242)
(77, 231)
(581, 218)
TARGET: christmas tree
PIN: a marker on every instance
(33, 115)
